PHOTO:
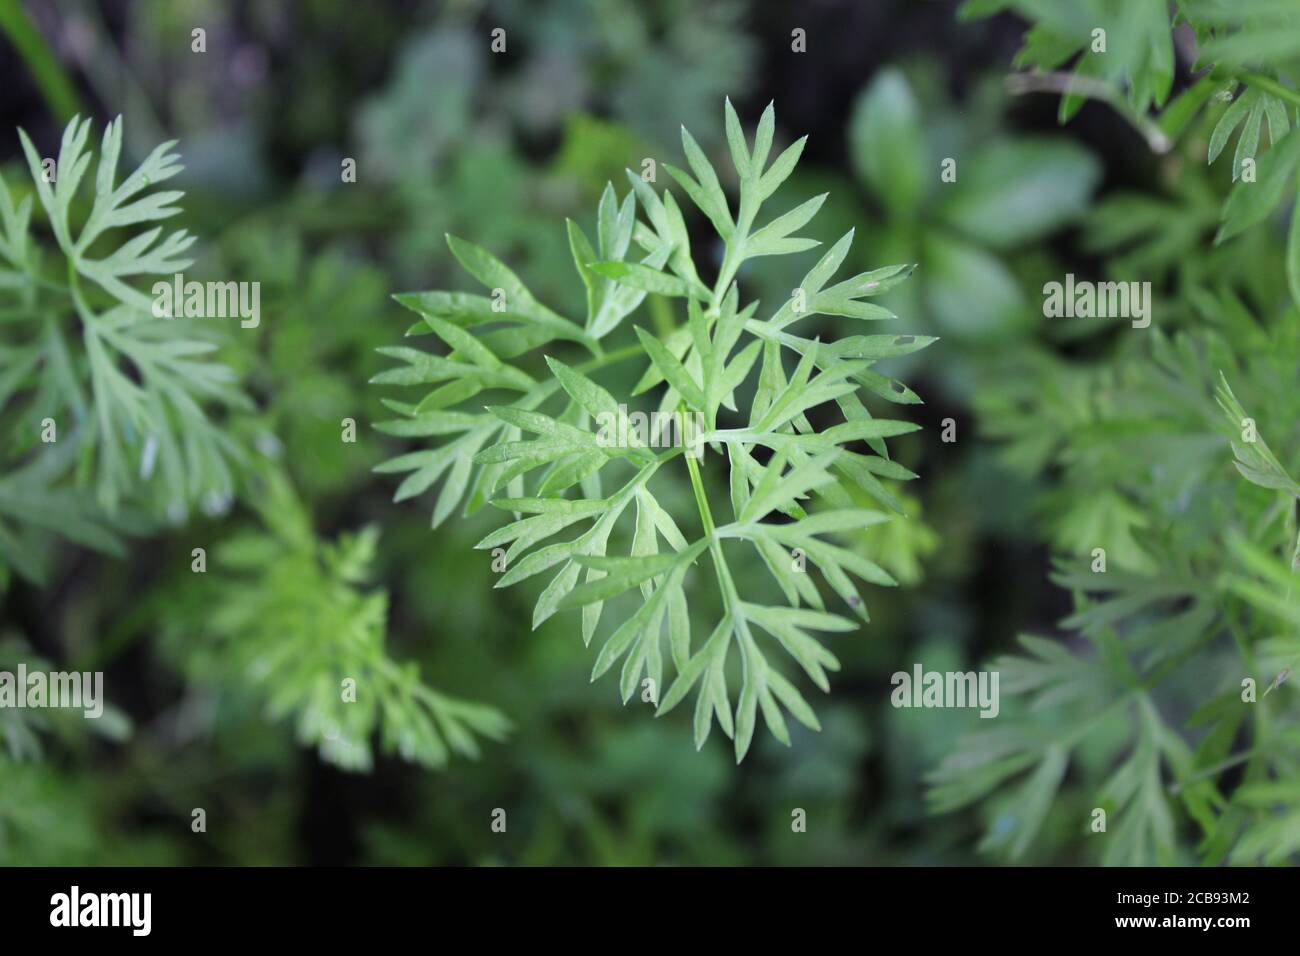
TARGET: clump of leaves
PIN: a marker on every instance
(22, 729)
(47, 815)
(566, 472)
(290, 615)
(1246, 55)
(972, 234)
(1180, 572)
(124, 395)
(1146, 707)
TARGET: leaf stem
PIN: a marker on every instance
(1248, 658)
(1213, 770)
(1270, 85)
(730, 597)
(609, 358)
(702, 502)
(735, 253)
(1071, 84)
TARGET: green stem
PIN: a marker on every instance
(1215, 769)
(1248, 658)
(736, 243)
(74, 287)
(730, 597)
(609, 358)
(1071, 84)
(1270, 85)
(701, 501)
(661, 315)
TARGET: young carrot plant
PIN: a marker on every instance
(523, 423)
(117, 420)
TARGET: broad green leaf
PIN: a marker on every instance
(886, 143)
(1015, 191)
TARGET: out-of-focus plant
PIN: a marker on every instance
(98, 391)
(288, 614)
(1246, 53)
(48, 815)
(1162, 730)
(102, 390)
(961, 198)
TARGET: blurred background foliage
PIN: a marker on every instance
(1070, 435)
